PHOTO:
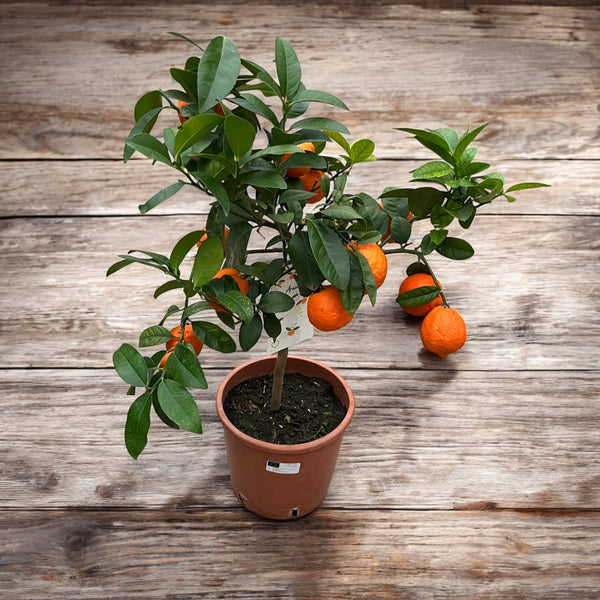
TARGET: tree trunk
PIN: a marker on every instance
(278, 374)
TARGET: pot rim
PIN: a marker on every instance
(285, 449)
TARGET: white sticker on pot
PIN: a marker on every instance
(283, 468)
(295, 326)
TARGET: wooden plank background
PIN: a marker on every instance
(474, 477)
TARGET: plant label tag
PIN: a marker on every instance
(295, 326)
(283, 468)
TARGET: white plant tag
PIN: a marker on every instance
(295, 326)
(283, 468)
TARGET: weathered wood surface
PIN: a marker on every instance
(68, 89)
(401, 555)
(473, 477)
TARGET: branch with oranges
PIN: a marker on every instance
(279, 207)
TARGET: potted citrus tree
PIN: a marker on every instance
(284, 249)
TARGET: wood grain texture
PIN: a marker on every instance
(109, 188)
(330, 554)
(529, 296)
(530, 71)
(420, 439)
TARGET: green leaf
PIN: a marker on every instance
(240, 134)
(149, 146)
(208, 261)
(289, 72)
(338, 138)
(218, 71)
(149, 102)
(144, 125)
(152, 336)
(344, 211)
(238, 303)
(183, 366)
(276, 302)
(418, 296)
(193, 130)
(183, 246)
(353, 294)
(330, 253)
(174, 285)
(272, 325)
(449, 135)
(438, 235)
(525, 186)
(361, 150)
(256, 105)
(422, 200)
(400, 229)
(250, 333)
(130, 366)
(320, 124)
(367, 277)
(304, 262)
(455, 249)
(138, 424)
(179, 406)
(187, 80)
(436, 143)
(215, 187)
(265, 179)
(316, 96)
(465, 139)
(161, 196)
(434, 168)
(213, 336)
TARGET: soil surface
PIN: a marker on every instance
(309, 409)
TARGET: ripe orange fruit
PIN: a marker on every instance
(242, 283)
(180, 105)
(205, 236)
(443, 331)
(299, 171)
(163, 360)
(188, 336)
(312, 183)
(377, 260)
(326, 311)
(417, 280)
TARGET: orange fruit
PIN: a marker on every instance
(417, 280)
(188, 336)
(205, 236)
(242, 283)
(312, 183)
(377, 260)
(326, 311)
(180, 105)
(163, 360)
(443, 331)
(299, 171)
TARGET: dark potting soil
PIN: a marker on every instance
(309, 409)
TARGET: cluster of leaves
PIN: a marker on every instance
(235, 133)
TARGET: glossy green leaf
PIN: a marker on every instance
(265, 179)
(130, 366)
(329, 252)
(208, 261)
(362, 150)
(218, 71)
(353, 295)
(304, 262)
(433, 141)
(320, 124)
(213, 336)
(256, 105)
(400, 230)
(150, 147)
(288, 68)
(250, 333)
(437, 236)
(152, 336)
(465, 140)
(434, 168)
(193, 130)
(238, 303)
(525, 186)
(161, 196)
(316, 96)
(187, 79)
(179, 405)
(240, 134)
(418, 296)
(183, 366)
(275, 302)
(455, 249)
(183, 247)
(422, 200)
(144, 125)
(368, 278)
(138, 424)
(338, 138)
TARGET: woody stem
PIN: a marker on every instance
(278, 374)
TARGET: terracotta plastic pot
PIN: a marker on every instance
(282, 481)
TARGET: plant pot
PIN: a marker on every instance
(282, 481)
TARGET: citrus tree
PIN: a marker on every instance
(279, 207)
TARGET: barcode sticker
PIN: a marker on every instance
(283, 468)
